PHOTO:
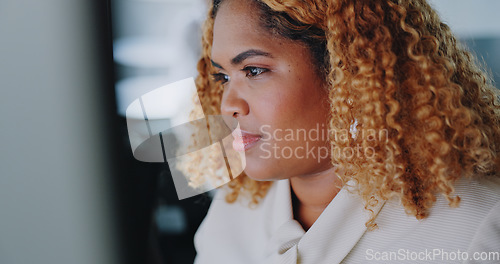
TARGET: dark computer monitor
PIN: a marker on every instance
(62, 189)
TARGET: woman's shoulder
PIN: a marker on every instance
(473, 226)
(481, 201)
(479, 188)
(478, 199)
(243, 206)
(228, 227)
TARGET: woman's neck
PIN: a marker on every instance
(311, 194)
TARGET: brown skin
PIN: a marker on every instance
(275, 88)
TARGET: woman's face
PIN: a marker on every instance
(275, 92)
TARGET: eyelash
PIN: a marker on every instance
(250, 68)
(250, 71)
(220, 78)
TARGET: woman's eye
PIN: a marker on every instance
(254, 71)
(220, 77)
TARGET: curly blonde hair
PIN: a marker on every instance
(390, 65)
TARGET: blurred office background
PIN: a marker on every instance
(477, 24)
(157, 42)
(70, 189)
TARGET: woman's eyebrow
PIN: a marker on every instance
(243, 56)
(215, 64)
(247, 54)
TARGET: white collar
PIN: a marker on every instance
(330, 238)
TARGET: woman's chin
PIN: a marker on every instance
(260, 175)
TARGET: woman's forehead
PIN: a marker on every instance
(237, 28)
(238, 13)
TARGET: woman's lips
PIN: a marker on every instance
(244, 140)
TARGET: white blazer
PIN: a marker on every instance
(235, 233)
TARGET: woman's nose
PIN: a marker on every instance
(233, 103)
